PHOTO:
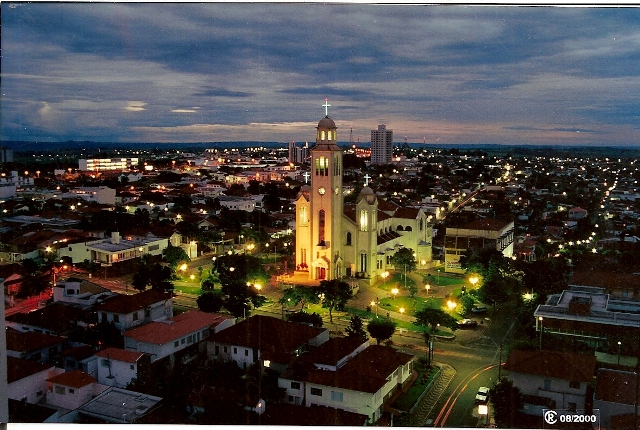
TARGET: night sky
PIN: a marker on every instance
(168, 72)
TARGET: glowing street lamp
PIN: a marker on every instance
(427, 287)
(183, 267)
(395, 292)
(375, 305)
(384, 276)
(401, 310)
(451, 304)
(474, 281)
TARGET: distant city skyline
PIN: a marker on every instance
(218, 72)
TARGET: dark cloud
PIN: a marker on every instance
(72, 70)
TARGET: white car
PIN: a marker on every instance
(481, 397)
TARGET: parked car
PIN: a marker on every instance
(482, 395)
(467, 323)
(479, 310)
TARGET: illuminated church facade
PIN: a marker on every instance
(334, 240)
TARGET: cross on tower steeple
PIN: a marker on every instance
(366, 180)
(326, 107)
(306, 177)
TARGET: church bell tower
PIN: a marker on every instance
(326, 203)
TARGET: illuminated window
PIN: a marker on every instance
(304, 218)
(364, 220)
(322, 166)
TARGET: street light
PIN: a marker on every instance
(394, 292)
(474, 281)
(384, 276)
(451, 304)
(375, 305)
(541, 330)
(401, 310)
(619, 344)
(427, 287)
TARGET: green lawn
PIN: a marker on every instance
(407, 400)
(443, 280)
(397, 281)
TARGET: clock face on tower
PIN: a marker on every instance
(321, 191)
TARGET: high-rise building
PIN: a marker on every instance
(381, 145)
(297, 154)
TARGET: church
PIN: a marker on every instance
(336, 240)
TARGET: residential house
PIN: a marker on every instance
(26, 379)
(79, 291)
(551, 379)
(348, 375)
(57, 319)
(70, 390)
(128, 311)
(118, 367)
(80, 358)
(162, 339)
(577, 213)
(616, 397)
(273, 341)
(34, 346)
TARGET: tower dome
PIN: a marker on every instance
(368, 194)
(326, 122)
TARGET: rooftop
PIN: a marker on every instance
(162, 332)
(552, 364)
(125, 304)
(118, 405)
(74, 379)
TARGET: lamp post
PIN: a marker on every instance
(541, 330)
(619, 344)
(427, 287)
(394, 292)
(375, 305)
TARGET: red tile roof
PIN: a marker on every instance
(162, 332)
(366, 372)
(407, 213)
(73, 379)
(18, 368)
(553, 364)
(125, 304)
(120, 355)
(334, 350)
(30, 341)
(57, 317)
(616, 386)
(267, 334)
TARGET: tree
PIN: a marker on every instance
(467, 302)
(174, 255)
(334, 294)
(356, 328)
(381, 328)
(304, 317)
(238, 298)
(207, 284)
(429, 317)
(160, 277)
(210, 301)
(297, 294)
(404, 260)
(507, 401)
(240, 267)
(433, 317)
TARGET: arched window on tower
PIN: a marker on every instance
(321, 222)
(399, 228)
(408, 228)
(364, 220)
(348, 238)
(304, 217)
(421, 224)
(322, 166)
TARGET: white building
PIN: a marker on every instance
(117, 367)
(381, 145)
(79, 291)
(106, 164)
(163, 338)
(116, 249)
(27, 379)
(101, 195)
(358, 379)
(558, 379)
(238, 203)
(70, 390)
(128, 311)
